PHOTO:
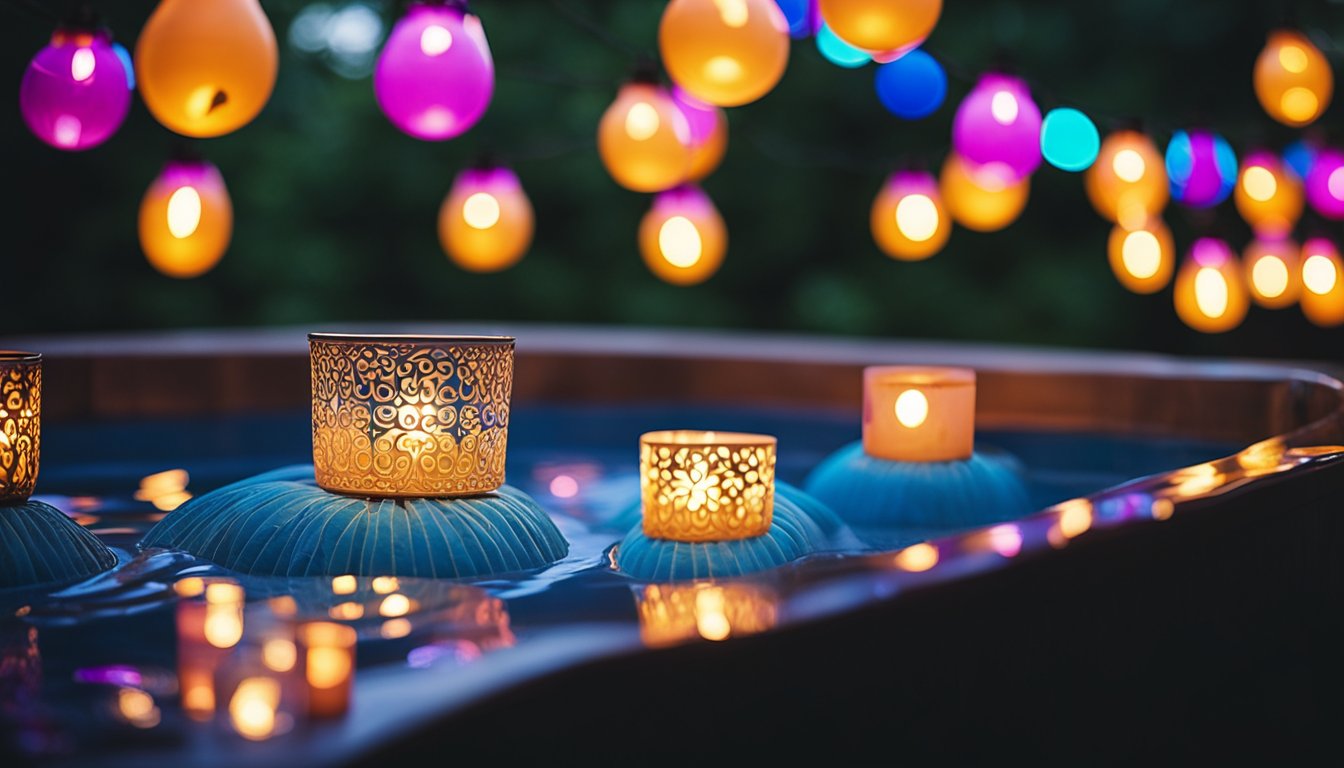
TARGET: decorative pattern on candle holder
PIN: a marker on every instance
(20, 424)
(410, 416)
(706, 486)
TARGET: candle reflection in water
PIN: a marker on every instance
(209, 619)
(674, 613)
(328, 651)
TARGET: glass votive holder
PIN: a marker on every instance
(918, 413)
(327, 651)
(706, 486)
(20, 424)
(410, 416)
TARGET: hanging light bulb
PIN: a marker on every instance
(206, 67)
(908, 219)
(802, 16)
(724, 52)
(435, 77)
(1069, 140)
(186, 219)
(1202, 168)
(682, 238)
(1128, 182)
(913, 86)
(486, 222)
(998, 125)
(1210, 293)
(708, 131)
(881, 25)
(1322, 296)
(1292, 79)
(1300, 155)
(1143, 257)
(1268, 195)
(978, 199)
(1325, 184)
(644, 139)
(1272, 273)
(75, 93)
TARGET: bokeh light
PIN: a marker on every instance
(1069, 139)
(913, 86)
(908, 219)
(1272, 272)
(1211, 295)
(1142, 258)
(1201, 167)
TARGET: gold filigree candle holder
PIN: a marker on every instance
(20, 424)
(410, 416)
(706, 486)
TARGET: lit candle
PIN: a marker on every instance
(209, 624)
(20, 424)
(915, 413)
(706, 486)
(329, 666)
(410, 416)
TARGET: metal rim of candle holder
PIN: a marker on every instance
(407, 338)
(15, 356)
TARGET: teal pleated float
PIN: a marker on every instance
(282, 524)
(799, 527)
(40, 545)
(870, 492)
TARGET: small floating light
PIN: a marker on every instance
(20, 424)
(913, 413)
(706, 486)
(328, 666)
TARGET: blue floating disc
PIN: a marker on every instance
(281, 524)
(40, 545)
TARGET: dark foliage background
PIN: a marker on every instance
(335, 209)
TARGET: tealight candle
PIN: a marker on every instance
(410, 416)
(20, 424)
(706, 486)
(918, 414)
(329, 666)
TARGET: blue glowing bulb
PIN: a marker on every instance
(802, 15)
(1299, 156)
(838, 52)
(126, 63)
(913, 86)
(1201, 167)
(1069, 140)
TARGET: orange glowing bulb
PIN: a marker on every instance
(1292, 79)
(1211, 294)
(1268, 195)
(486, 222)
(186, 219)
(644, 139)
(1128, 182)
(1144, 257)
(683, 238)
(1322, 274)
(206, 67)
(724, 52)
(908, 219)
(881, 25)
(1272, 273)
(980, 198)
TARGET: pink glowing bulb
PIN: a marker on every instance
(435, 76)
(75, 94)
(1325, 184)
(998, 126)
(702, 118)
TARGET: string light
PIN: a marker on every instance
(486, 221)
(1128, 182)
(908, 219)
(1299, 156)
(186, 219)
(913, 86)
(1202, 168)
(838, 52)
(1210, 294)
(1142, 257)
(724, 52)
(435, 76)
(1069, 139)
(708, 131)
(1322, 296)
(1325, 183)
(76, 92)
(998, 125)
(1292, 79)
(802, 16)
(1272, 273)
(644, 139)
(1268, 195)
(979, 199)
(881, 25)
(206, 69)
(683, 238)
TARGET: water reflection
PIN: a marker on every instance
(165, 490)
(674, 613)
(20, 669)
(209, 619)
